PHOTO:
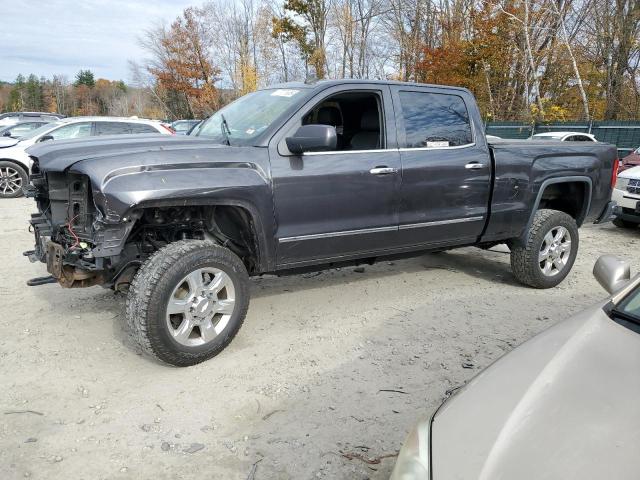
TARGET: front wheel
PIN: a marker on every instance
(12, 178)
(549, 252)
(188, 301)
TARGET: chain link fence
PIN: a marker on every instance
(624, 134)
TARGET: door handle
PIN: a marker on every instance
(474, 166)
(383, 171)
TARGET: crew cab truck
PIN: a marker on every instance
(301, 176)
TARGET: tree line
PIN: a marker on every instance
(84, 96)
(523, 59)
(526, 60)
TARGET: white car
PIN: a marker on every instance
(564, 137)
(627, 196)
(15, 164)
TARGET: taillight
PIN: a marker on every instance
(168, 129)
(614, 172)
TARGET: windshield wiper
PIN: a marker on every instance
(224, 127)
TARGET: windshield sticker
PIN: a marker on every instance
(283, 92)
(437, 144)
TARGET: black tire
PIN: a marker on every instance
(13, 169)
(620, 223)
(153, 287)
(524, 259)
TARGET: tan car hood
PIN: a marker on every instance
(565, 405)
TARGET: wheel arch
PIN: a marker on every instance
(578, 212)
(262, 247)
(16, 162)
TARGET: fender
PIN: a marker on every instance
(198, 175)
(550, 181)
(121, 196)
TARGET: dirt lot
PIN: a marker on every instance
(299, 385)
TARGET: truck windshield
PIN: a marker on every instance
(245, 119)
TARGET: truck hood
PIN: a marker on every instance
(633, 172)
(128, 170)
(57, 156)
(566, 404)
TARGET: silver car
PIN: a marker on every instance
(564, 405)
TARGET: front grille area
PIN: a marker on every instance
(634, 186)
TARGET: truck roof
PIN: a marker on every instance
(322, 84)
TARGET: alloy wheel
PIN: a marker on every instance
(554, 251)
(10, 180)
(200, 306)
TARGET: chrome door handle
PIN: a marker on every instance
(474, 166)
(383, 171)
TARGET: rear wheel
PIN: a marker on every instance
(188, 301)
(549, 252)
(620, 223)
(12, 178)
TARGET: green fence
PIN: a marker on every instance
(624, 134)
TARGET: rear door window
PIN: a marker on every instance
(142, 128)
(435, 120)
(112, 128)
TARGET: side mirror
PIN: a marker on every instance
(611, 272)
(313, 138)
(46, 138)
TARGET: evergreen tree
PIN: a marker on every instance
(33, 94)
(16, 97)
(85, 77)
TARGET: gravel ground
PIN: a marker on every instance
(297, 392)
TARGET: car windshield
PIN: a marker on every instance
(39, 131)
(245, 119)
(629, 307)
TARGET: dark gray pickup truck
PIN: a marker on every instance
(301, 176)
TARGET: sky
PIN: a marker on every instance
(60, 37)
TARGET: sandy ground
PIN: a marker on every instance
(298, 387)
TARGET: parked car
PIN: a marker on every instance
(299, 176)
(10, 118)
(20, 129)
(627, 196)
(562, 405)
(565, 136)
(631, 160)
(182, 127)
(15, 162)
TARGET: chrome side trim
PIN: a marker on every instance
(343, 233)
(457, 147)
(346, 152)
(381, 150)
(440, 222)
(316, 236)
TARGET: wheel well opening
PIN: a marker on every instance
(17, 163)
(567, 197)
(234, 228)
(228, 225)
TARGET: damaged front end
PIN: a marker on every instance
(62, 227)
(69, 231)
